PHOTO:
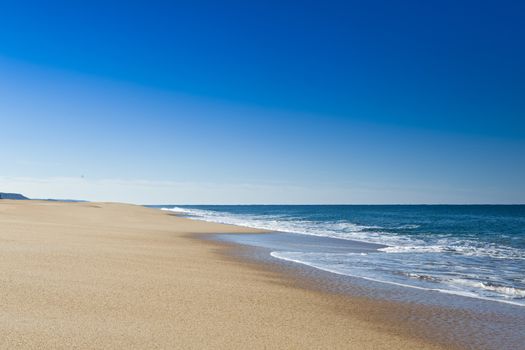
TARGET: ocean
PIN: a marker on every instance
(476, 251)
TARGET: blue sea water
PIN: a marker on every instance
(471, 250)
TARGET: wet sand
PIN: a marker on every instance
(102, 275)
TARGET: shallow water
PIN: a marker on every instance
(470, 323)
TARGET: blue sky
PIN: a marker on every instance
(270, 102)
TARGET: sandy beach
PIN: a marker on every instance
(115, 276)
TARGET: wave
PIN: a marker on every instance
(342, 229)
(445, 262)
(513, 292)
(466, 248)
(408, 227)
(502, 294)
(337, 229)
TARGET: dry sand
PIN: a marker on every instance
(117, 276)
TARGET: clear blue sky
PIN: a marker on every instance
(264, 102)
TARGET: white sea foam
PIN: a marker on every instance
(336, 229)
(178, 210)
(504, 290)
(413, 249)
(397, 243)
(465, 248)
(408, 227)
(507, 294)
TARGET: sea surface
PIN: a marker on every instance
(476, 251)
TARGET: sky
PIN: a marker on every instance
(240, 102)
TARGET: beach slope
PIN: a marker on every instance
(102, 275)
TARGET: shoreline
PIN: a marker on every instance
(449, 326)
(105, 275)
(439, 311)
(351, 245)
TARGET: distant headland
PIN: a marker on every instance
(19, 196)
